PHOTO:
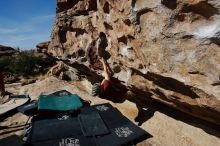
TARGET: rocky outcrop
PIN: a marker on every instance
(64, 72)
(57, 69)
(168, 50)
(7, 51)
(42, 47)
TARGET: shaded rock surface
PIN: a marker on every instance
(167, 126)
(164, 49)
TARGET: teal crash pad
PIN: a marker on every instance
(59, 103)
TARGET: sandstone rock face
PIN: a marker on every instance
(7, 51)
(168, 50)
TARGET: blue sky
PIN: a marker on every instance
(24, 23)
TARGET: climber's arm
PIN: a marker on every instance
(105, 72)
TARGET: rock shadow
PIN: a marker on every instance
(172, 84)
(8, 114)
(208, 127)
(106, 8)
(144, 114)
(148, 106)
(215, 41)
(171, 4)
(169, 83)
(108, 26)
(216, 83)
(63, 31)
(61, 6)
(202, 8)
(141, 12)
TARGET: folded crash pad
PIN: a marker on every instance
(29, 109)
(92, 124)
(59, 103)
(122, 130)
(14, 102)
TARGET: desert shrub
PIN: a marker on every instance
(5, 62)
(24, 64)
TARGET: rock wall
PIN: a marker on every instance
(168, 50)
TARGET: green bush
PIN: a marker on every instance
(4, 63)
(25, 64)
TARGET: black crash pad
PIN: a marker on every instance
(92, 124)
(13, 140)
(122, 130)
(53, 127)
(57, 129)
(29, 109)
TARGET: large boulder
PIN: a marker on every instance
(64, 72)
(57, 69)
(168, 50)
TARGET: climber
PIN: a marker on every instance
(2, 86)
(110, 88)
